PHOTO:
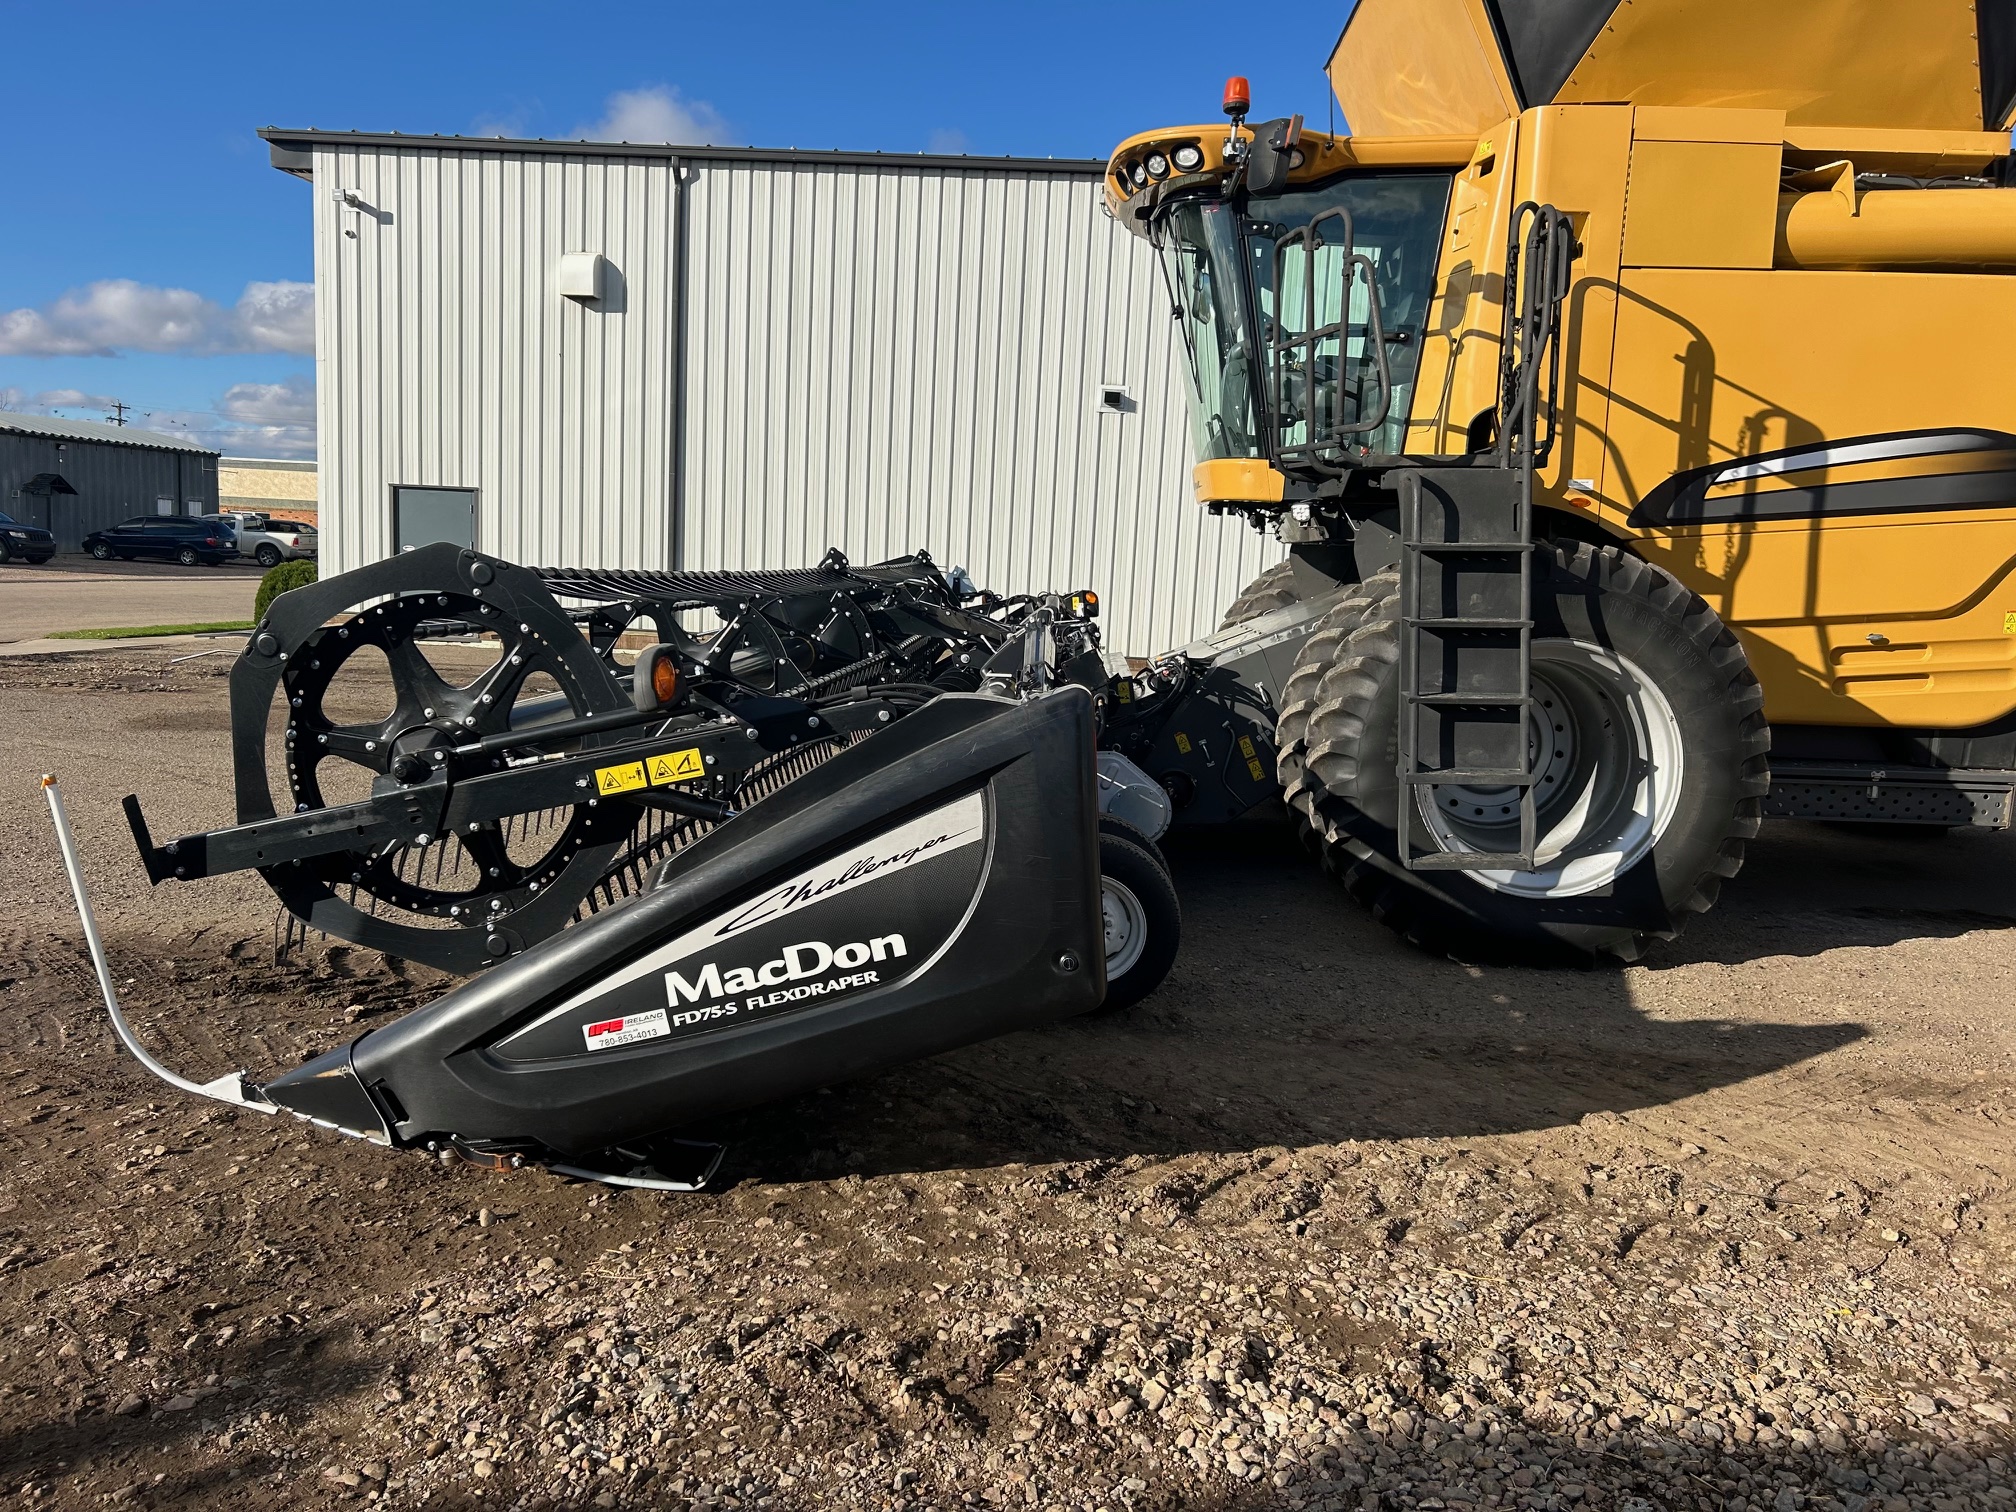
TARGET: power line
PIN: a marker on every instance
(118, 415)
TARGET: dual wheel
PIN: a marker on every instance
(1646, 736)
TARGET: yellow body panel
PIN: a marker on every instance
(1440, 66)
(1236, 480)
(1714, 366)
(1430, 67)
(1909, 63)
(1325, 155)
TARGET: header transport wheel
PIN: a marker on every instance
(1648, 736)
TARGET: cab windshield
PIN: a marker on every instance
(1224, 263)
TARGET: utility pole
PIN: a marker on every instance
(118, 415)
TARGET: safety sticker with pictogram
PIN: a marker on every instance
(619, 779)
(677, 766)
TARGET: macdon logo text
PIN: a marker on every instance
(810, 959)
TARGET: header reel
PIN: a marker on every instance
(522, 778)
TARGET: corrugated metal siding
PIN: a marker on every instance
(113, 483)
(446, 356)
(875, 358)
(888, 359)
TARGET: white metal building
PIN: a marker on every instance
(613, 355)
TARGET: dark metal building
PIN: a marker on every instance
(74, 476)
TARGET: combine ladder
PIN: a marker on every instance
(1466, 574)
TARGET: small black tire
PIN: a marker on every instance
(101, 552)
(267, 556)
(187, 557)
(1108, 825)
(1273, 589)
(1142, 920)
(1338, 736)
(6, 556)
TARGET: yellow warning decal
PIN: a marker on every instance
(1259, 772)
(1246, 746)
(619, 779)
(1183, 742)
(1123, 688)
(2009, 624)
(677, 766)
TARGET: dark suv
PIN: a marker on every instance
(24, 543)
(174, 538)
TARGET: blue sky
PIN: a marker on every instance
(152, 256)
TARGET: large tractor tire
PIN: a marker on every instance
(1273, 589)
(1649, 733)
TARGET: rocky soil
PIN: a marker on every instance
(1322, 1224)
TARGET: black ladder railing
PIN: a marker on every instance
(1466, 581)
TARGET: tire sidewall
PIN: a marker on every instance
(1142, 872)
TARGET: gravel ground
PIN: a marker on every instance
(1324, 1223)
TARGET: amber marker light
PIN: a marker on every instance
(665, 679)
(1238, 96)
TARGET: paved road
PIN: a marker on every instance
(76, 593)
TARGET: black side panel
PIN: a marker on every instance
(1995, 23)
(934, 885)
(1984, 477)
(1544, 40)
(1991, 746)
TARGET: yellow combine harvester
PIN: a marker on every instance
(1630, 389)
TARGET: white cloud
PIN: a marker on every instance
(119, 314)
(948, 140)
(290, 402)
(247, 420)
(658, 114)
(276, 317)
(21, 401)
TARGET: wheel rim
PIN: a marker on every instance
(1126, 926)
(1606, 748)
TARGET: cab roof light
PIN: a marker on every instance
(1238, 97)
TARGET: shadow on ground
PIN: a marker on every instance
(1293, 1018)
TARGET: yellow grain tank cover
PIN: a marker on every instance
(1404, 67)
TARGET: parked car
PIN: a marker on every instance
(175, 538)
(269, 541)
(24, 543)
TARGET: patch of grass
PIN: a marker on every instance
(121, 632)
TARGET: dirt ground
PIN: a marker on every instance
(1323, 1223)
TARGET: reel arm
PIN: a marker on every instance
(445, 803)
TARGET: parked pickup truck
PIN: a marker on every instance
(268, 540)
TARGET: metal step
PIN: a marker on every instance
(1471, 861)
(1470, 777)
(1465, 619)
